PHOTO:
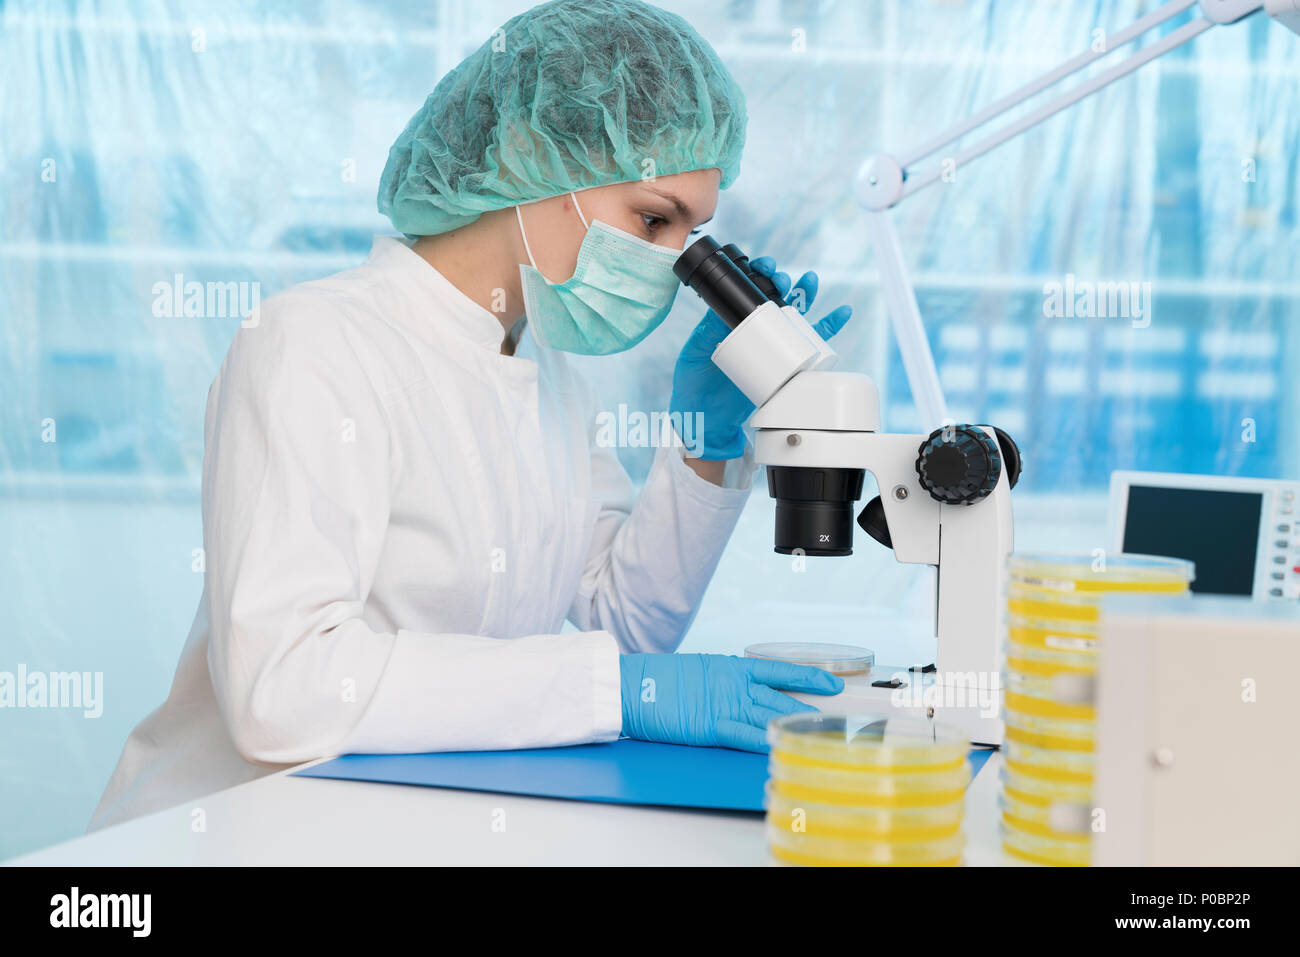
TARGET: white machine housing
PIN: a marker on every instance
(1195, 710)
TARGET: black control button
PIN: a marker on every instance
(959, 464)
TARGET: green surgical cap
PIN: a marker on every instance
(570, 95)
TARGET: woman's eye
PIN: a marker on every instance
(652, 222)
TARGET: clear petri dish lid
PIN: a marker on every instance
(1079, 572)
(837, 659)
(867, 741)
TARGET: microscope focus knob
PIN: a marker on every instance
(959, 464)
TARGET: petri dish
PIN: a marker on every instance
(1053, 637)
(792, 847)
(1037, 660)
(1059, 820)
(1061, 687)
(875, 742)
(898, 824)
(843, 660)
(1031, 786)
(1037, 849)
(846, 787)
(1064, 611)
(1073, 767)
(1054, 699)
(1059, 733)
(1082, 574)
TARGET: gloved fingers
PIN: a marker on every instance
(766, 266)
(833, 322)
(789, 677)
(741, 736)
(775, 701)
(724, 449)
(708, 332)
(804, 292)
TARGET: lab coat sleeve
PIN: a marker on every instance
(653, 555)
(296, 495)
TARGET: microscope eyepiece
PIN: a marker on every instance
(764, 284)
(706, 267)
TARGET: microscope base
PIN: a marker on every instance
(975, 711)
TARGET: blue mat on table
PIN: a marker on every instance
(618, 772)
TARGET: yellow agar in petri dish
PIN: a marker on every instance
(1050, 763)
(792, 847)
(873, 741)
(1059, 820)
(906, 824)
(1037, 849)
(1050, 732)
(1053, 639)
(1027, 784)
(869, 790)
(1084, 574)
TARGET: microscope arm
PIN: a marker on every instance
(828, 420)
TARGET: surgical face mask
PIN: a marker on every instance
(619, 293)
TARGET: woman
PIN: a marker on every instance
(402, 496)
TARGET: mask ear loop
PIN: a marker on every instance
(574, 197)
(523, 235)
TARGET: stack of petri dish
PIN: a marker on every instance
(1052, 642)
(867, 791)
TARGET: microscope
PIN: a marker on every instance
(944, 497)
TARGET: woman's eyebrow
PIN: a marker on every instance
(682, 209)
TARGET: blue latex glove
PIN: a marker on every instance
(713, 700)
(700, 386)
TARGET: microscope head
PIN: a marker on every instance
(770, 342)
(772, 355)
(818, 431)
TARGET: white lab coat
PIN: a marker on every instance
(397, 521)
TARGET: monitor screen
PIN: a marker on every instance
(1217, 530)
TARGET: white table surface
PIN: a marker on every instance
(284, 820)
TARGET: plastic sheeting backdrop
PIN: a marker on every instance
(147, 146)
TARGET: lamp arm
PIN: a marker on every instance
(883, 181)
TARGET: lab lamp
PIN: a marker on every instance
(883, 181)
